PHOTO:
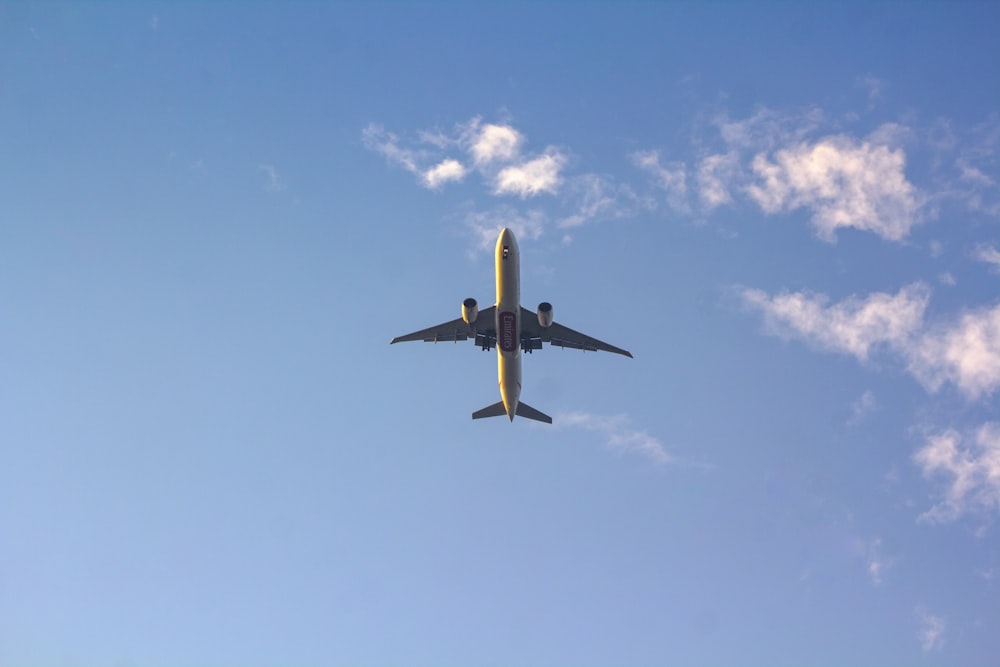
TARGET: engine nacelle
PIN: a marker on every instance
(545, 314)
(470, 311)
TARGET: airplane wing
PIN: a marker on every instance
(561, 336)
(454, 330)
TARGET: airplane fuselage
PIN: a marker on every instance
(508, 320)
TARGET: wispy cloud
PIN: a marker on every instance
(931, 631)
(494, 150)
(274, 183)
(875, 87)
(878, 564)
(496, 153)
(768, 129)
(486, 225)
(376, 138)
(861, 408)
(670, 177)
(989, 254)
(619, 434)
(781, 162)
(715, 173)
(964, 351)
(595, 197)
(974, 153)
(971, 466)
(853, 326)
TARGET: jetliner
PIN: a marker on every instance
(510, 328)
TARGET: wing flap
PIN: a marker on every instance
(562, 336)
(453, 331)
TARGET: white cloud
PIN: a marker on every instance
(532, 177)
(843, 182)
(972, 466)
(965, 352)
(492, 143)
(619, 434)
(852, 326)
(445, 171)
(931, 633)
(988, 254)
(671, 177)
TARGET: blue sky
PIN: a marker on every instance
(215, 216)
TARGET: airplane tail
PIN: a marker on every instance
(523, 410)
(494, 410)
(528, 412)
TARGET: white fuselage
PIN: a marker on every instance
(508, 320)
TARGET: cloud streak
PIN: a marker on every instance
(963, 351)
(619, 435)
(854, 326)
(988, 254)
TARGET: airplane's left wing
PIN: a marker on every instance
(453, 331)
(562, 336)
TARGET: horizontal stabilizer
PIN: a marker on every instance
(528, 412)
(494, 410)
(523, 410)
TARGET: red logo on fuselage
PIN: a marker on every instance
(508, 331)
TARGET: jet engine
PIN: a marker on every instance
(545, 314)
(470, 311)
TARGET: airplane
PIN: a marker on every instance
(510, 328)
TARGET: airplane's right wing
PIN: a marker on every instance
(454, 331)
(562, 336)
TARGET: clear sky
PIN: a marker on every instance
(213, 218)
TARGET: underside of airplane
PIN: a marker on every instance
(510, 329)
